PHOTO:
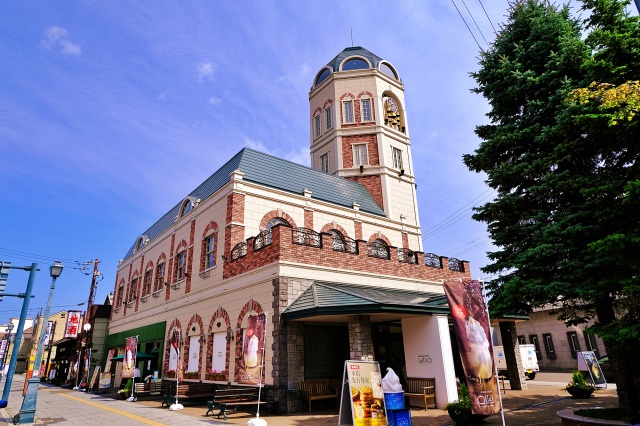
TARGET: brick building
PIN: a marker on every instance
(325, 262)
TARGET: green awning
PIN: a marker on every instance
(324, 299)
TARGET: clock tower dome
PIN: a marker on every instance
(359, 131)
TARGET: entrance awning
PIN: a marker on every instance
(337, 300)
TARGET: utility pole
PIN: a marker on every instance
(96, 274)
(85, 341)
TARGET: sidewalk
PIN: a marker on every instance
(535, 406)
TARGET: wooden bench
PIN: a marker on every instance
(234, 397)
(424, 387)
(317, 389)
(153, 388)
(187, 391)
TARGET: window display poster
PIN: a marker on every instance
(471, 327)
(362, 401)
(253, 342)
(129, 361)
(591, 365)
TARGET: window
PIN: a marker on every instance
(533, 339)
(119, 296)
(521, 340)
(159, 277)
(188, 206)
(276, 221)
(548, 346)
(323, 75)
(209, 248)
(148, 277)
(329, 117)
(592, 344)
(180, 263)
(366, 109)
(397, 158)
(574, 345)
(134, 290)
(354, 64)
(348, 111)
(388, 70)
(360, 155)
(317, 126)
(324, 163)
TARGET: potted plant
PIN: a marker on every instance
(170, 374)
(460, 410)
(216, 375)
(191, 374)
(125, 392)
(578, 386)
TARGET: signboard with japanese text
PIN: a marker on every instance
(73, 323)
(362, 402)
(47, 336)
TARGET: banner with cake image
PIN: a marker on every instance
(253, 342)
(129, 360)
(367, 397)
(471, 326)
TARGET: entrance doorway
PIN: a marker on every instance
(326, 348)
(389, 348)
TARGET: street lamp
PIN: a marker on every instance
(85, 345)
(28, 410)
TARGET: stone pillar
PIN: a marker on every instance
(360, 341)
(515, 371)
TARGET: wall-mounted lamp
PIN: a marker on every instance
(361, 168)
(229, 335)
(201, 339)
(401, 172)
(224, 257)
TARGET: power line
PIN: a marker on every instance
(465, 23)
(487, 15)
(456, 216)
(31, 257)
(474, 21)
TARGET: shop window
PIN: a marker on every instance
(547, 339)
(533, 339)
(574, 345)
(591, 342)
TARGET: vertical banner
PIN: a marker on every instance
(47, 336)
(174, 351)
(472, 329)
(249, 371)
(129, 361)
(363, 388)
(107, 365)
(71, 328)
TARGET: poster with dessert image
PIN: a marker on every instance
(592, 365)
(253, 342)
(367, 397)
(471, 327)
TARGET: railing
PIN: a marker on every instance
(344, 244)
(306, 237)
(378, 249)
(263, 239)
(432, 260)
(455, 265)
(239, 251)
(407, 256)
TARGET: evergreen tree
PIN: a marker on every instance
(561, 172)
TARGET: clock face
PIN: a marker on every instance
(392, 105)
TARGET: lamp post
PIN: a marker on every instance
(85, 345)
(28, 410)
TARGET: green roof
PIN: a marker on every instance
(324, 298)
(276, 173)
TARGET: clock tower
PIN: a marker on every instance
(359, 131)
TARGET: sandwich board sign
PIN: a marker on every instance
(362, 402)
(587, 361)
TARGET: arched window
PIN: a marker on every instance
(186, 208)
(386, 69)
(276, 221)
(354, 64)
(326, 72)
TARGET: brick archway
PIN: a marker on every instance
(175, 324)
(329, 226)
(195, 319)
(274, 214)
(220, 313)
(379, 236)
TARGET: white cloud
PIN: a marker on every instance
(214, 100)
(300, 156)
(206, 71)
(58, 37)
(258, 146)
(162, 96)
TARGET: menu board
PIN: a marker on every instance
(362, 401)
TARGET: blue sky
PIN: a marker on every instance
(111, 112)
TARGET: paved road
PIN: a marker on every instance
(537, 405)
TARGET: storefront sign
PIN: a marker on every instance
(471, 326)
(362, 401)
(73, 322)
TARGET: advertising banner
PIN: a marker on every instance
(588, 361)
(105, 381)
(129, 361)
(48, 335)
(471, 326)
(73, 322)
(363, 390)
(249, 371)
(174, 351)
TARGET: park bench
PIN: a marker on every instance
(235, 397)
(153, 388)
(422, 387)
(186, 391)
(318, 389)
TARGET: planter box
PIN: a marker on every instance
(578, 393)
(570, 419)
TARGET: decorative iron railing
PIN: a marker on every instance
(432, 260)
(455, 265)
(344, 244)
(239, 251)
(263, 239)
(407, 256)
(306, 237)
(378, 249)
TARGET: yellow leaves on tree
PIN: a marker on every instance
(619, 103)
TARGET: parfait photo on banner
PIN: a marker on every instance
(472, 329)
(249, 371)
(129, 361)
